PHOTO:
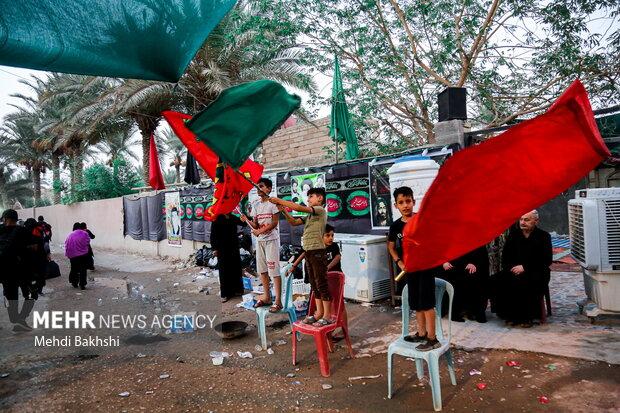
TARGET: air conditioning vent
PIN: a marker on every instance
(612, 218)
(594, 227)
(575, 218)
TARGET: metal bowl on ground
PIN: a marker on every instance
(231, 329)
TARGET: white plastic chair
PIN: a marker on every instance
(406, 349)
(287, 306)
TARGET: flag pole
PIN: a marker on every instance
(399, 276)
(254, 184)
(336, 139)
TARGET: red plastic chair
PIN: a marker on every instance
(335, 281)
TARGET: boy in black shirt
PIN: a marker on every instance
(421, 284)
(332, 252)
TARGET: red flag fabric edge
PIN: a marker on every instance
(482, 190)
(156, 179)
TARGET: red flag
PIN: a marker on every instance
(156, 180)
(230, 187)
(482, 190)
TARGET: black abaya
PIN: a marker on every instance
(225, 241)
(519, 297)
(470, 290)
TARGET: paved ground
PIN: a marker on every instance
(91, 379)
(566, 333)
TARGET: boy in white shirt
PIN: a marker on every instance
(265, 229)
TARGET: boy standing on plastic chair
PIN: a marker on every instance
(332, 252)
(421, 284)
(312, 243)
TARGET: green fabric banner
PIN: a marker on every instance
(340, 128)
(242, 117)
(142, 39)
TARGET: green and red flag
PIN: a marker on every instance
(242, 117)
(230, 185)
(482, 190)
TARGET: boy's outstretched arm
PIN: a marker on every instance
(291, 205)
(297, 262)
(289, 218)
(248, 221)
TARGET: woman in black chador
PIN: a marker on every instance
(469, 275)
(225, 244)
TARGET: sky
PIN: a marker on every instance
(9, 84)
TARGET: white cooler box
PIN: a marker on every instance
(364, 263)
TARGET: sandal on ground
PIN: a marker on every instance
(261, 303)
(275, 308)
(309, 320)
(323, 322)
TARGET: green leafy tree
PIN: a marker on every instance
(102, 182)
(515, 57)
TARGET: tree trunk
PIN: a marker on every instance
(177, 167)
(56, 177)
(36, 181)
(77, 170)
(4, 196)
(73, 175)
(147, 126)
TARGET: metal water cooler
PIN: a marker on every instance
(364, 263)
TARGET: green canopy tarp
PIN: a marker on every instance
(242, 117)
(142, 39)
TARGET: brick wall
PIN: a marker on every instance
(299, 145)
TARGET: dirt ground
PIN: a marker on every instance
(174, 372)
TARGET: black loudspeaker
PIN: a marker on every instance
(452, 104)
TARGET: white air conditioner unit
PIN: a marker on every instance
(594, 228)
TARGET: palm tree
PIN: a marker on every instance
(174, 147)
(81, 113)
(231, 55)
(6, 171)
(50, 114)
(14, 186)
(143, 101)
(119, 144)
(20, 136)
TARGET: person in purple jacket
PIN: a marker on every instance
(76, 249)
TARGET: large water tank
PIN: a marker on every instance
(415, 171)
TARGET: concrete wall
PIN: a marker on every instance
(105, 219)
(298, 146)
